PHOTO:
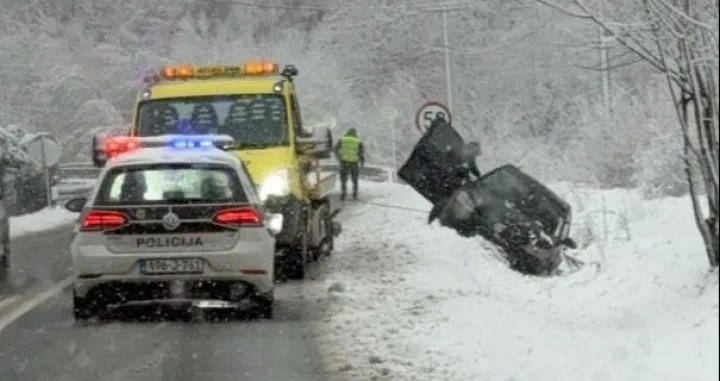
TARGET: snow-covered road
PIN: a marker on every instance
(412, 302)
(404, 301)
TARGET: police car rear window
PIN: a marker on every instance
(169, 184)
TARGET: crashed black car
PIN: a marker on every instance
(506, 206)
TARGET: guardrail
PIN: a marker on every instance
(68, 189)
(86, 170)
(78, 170)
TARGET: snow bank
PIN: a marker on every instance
(46, 219)
(408, 302)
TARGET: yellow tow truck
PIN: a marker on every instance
(255, 103)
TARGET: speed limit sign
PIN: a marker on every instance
(428, 113)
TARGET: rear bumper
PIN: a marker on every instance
(201, 293)
(253, 264)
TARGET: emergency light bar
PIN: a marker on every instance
(185, 72)
(117, 145)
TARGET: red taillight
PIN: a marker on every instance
(99, 220)
(238, 217)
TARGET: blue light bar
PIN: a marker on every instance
(192, 143)
(186, 142)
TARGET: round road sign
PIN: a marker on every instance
(428, 113)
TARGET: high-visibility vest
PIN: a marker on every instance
(349, 147)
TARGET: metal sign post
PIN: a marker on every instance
(428, 113)
(394, 154)
(46, 174)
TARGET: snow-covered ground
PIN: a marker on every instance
(39, 221)
(411, 302)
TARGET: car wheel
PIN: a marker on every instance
(83, 309)
(6, 253)
(526, 264)
(263, 306)
(4, 266)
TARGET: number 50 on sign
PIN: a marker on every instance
(428, 113)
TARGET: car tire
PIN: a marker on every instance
(4, 260)
(263, 306)
(83, 309)
(4, 266)
(527, 264)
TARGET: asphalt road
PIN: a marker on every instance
(46, 344)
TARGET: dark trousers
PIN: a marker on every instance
(351, 169)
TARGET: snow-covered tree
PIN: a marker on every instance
(679, 38)
(12, 154)
(522, 78)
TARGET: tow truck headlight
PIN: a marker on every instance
(278, 184)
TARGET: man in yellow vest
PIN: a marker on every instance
(350, 153)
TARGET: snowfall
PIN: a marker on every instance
(405, 301)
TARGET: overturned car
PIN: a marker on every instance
(506, 206)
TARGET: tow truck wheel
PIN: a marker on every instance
(297, 257)
(296, 263)
(327, 243)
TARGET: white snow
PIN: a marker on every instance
(46, 219)
(411, 302)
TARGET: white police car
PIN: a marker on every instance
(173, 220)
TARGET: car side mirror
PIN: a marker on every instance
(274, 223)
(76, 205)
(569, 242)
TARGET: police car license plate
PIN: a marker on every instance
(172, 266)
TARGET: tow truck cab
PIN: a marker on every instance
(257, 105)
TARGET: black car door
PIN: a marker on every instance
(429, 169)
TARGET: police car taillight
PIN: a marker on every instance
(238, 217)
(102, 220)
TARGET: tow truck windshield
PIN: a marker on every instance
(255, 121)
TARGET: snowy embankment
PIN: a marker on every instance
(411, 302)
(43, 220)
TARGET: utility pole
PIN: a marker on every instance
(446, 49)
(534, 128)
(448, 64)
(605, 38)
(605, 72)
